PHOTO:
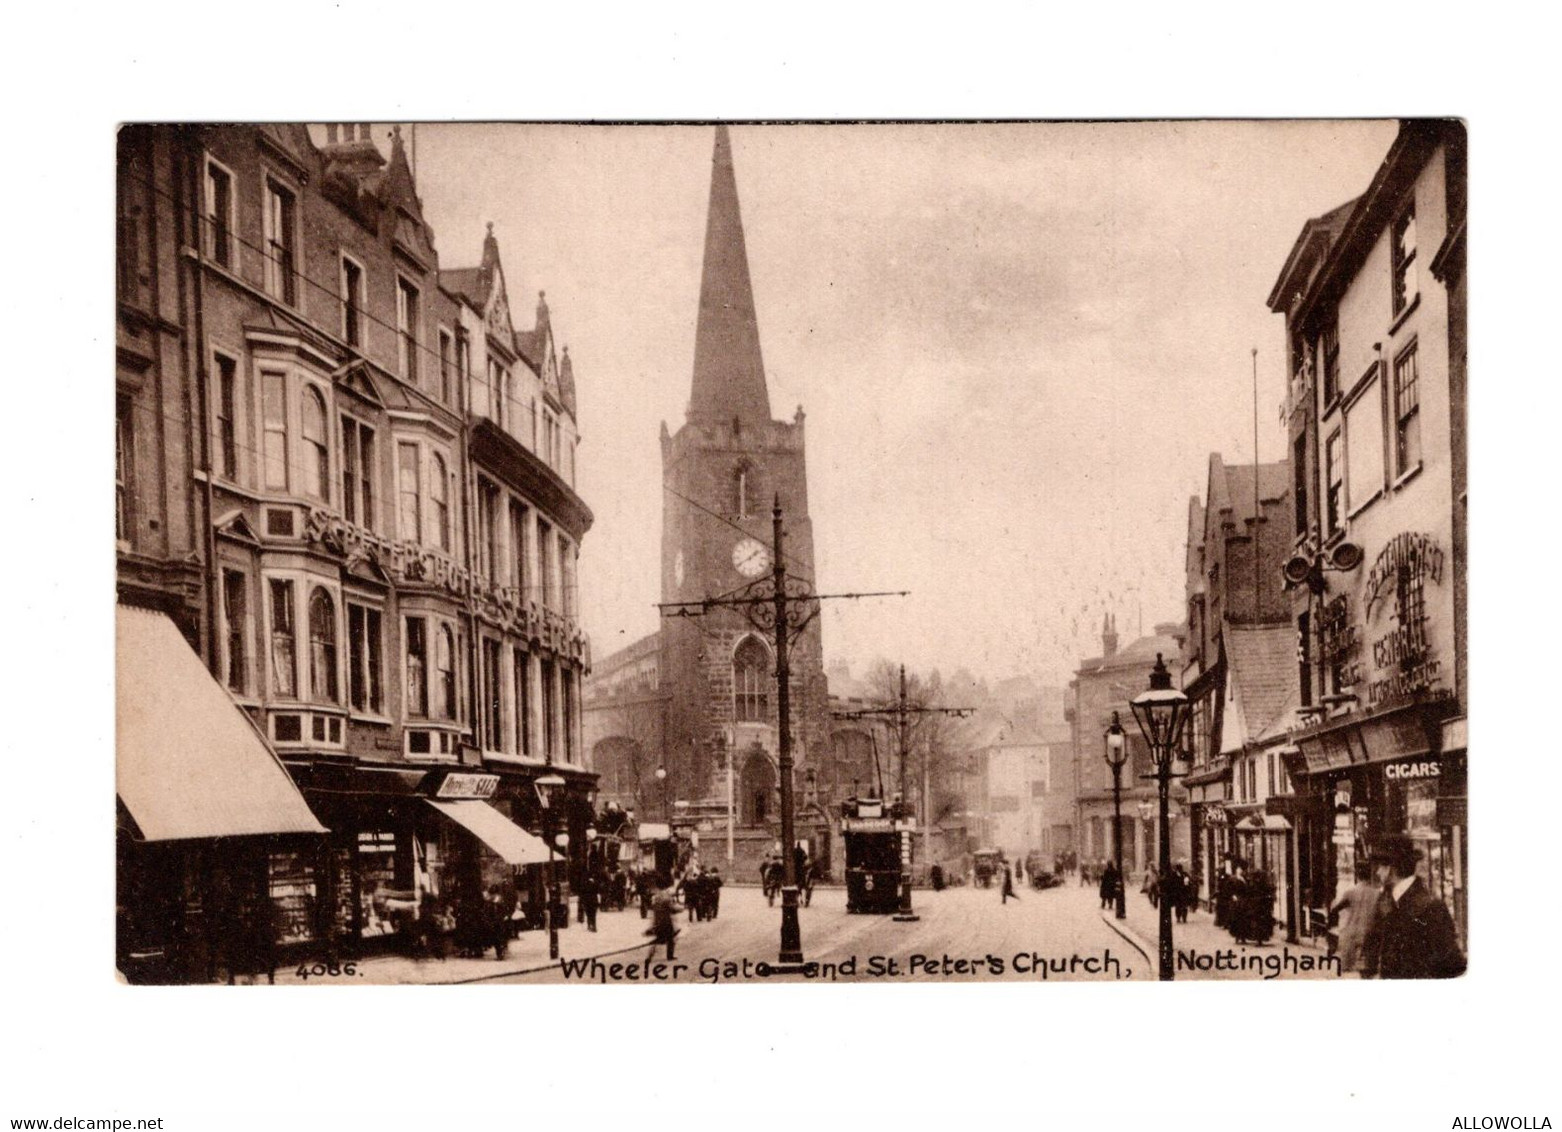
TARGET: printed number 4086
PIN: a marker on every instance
(322, 970)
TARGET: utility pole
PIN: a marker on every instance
(784, 607)
(901, 712)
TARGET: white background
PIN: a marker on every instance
(1270, 1055)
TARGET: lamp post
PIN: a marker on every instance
(547, 788)
(1116, 755)
(1161, 712)
(661, 777)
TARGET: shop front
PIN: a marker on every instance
(404, 841)
(203, 808)
(1369, 777)
(1208, 827)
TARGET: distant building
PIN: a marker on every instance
(1101, 686)
(1239, 537)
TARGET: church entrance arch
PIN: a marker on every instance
(757, 789)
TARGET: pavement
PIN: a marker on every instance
(616, 932)
(1204, 951)
(961, 935)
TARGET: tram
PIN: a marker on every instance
(874, 837)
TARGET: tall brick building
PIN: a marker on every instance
(346, 481)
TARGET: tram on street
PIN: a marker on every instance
(874, 839)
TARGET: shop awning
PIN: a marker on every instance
(188, 761)
(493, 829)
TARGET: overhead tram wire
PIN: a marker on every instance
(534, 590)
(292, 312)
(723, 519)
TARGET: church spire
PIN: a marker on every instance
(729, 373)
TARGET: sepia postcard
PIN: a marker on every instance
(806, 553)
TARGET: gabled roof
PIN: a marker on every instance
(1261, 662)
(476, 284)
(465, 283)
(1139, 654)
(1231, 488)
(1312, 244)
(1192, 561)
(567, 382)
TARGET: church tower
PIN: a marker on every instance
(722, 472)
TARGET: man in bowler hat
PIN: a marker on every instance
(1414, 935)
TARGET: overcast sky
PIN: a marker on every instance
(1016, 346)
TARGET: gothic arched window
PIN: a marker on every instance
(751, 682)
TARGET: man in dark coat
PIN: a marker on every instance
(1008, 885)
(1109, 882)
(590, 887)
(1414, 936)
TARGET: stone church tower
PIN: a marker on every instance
(722, 472)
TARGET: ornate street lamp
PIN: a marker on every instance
(661, 776)
(1161, 712)
(1116, 756)
(548, 787)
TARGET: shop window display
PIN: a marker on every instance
(292, 887)
(376, 883)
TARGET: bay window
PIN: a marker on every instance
(317, 459)
(410, 487)
(364, 683)
(417, 666)
(273, 395)
(284, 665)
(322, 647)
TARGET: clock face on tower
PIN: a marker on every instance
(750, 558)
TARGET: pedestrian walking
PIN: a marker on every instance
(643, 891)
(1110, 879)
(1355, 912)
(1414, 935)
(1019, 869)
(1008, 885)
(589, 889)
(1150, 886)
(713, 883)
(1180, 892)
(664, 906)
